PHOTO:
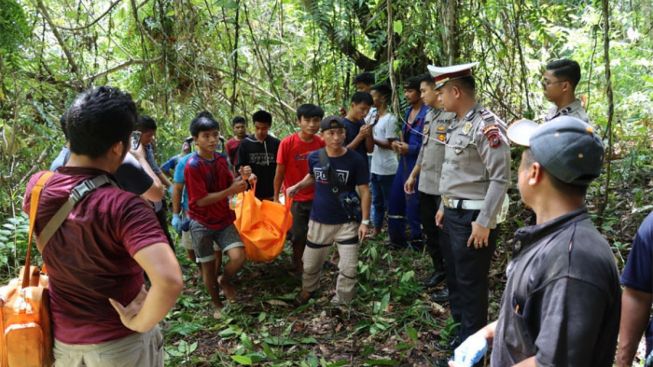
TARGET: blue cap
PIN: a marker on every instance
(566, 147)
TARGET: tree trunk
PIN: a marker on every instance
(610, 97)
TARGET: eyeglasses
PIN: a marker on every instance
(547, 82)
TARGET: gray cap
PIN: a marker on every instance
(566, 147)
(331, 122)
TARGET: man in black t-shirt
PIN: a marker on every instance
(259, 152)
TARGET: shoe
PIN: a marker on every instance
(440, 296)
(416, 245)
(436, 278)
(303, 297)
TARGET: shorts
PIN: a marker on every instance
(207, 241)
(301, 213)
(136, 350)
(186, 241)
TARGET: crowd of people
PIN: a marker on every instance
(435, 179)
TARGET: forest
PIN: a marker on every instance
(234, 57)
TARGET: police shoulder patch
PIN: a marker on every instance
(493, 135)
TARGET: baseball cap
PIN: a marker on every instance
(331, 122)
(566, 147)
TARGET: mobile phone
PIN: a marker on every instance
(135, 139)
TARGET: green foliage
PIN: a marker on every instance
(13, 26)
(13, 245)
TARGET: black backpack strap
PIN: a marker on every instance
(77, 194)
(332, 176)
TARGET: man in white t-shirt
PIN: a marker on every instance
(384, 160)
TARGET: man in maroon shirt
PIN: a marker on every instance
(239, 125)
(96, 258)
(209, 184)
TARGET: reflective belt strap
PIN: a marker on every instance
(462, 204)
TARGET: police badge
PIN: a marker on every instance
(467, 128)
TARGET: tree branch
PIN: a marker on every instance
(44, 11)
(345, 45)
(122, 66)
(81, 28)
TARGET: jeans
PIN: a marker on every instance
(380, 186)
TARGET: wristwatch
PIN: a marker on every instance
(365, 222)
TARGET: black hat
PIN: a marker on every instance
(566, 147)
(331, 122)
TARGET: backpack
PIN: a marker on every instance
(26, 338)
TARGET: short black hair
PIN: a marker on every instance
(204, 121)
(238, 120)
(99, 118)
(309, 110)
(362, 97)
(262, 116)
(565, 69)
(365, 78)
(384, 90)
(559, 185)
(427, 78)
(466, 83)
(413, 82)
(145, 123)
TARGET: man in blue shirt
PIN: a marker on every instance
(404, 205)
(180, 206)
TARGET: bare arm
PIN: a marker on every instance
(147, 309)
(369, 143)
(177, 189)
(157, 190)
(307, 181)
(164, 180)
(384, 143)
(635, 309)
(364, 191)
(530, 362)
(279, 175)
(364, 136)
(239, 185)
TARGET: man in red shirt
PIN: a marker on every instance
(96, 258)
(292, 167)
(209, 183)
(239, 126)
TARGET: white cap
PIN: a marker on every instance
(442, 74)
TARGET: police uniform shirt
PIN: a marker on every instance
(477, 162)
(431, 153)
(574, 109)
(562, 299)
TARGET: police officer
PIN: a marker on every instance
(559, 82)
(429, 167)
(474, 181)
